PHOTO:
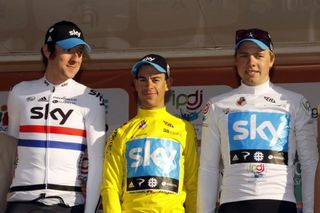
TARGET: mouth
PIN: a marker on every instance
(252, 72)
(149, 94)
(72, 66)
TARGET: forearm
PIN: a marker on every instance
(207, 190)
(93, 184)
(110, 201)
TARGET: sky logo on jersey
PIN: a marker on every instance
(265, 133)
(98, 95)
(56, 113)
(262, 130)
(153, 164)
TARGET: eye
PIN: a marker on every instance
(260, 56)
(242, 55)
(79, 50)
(141, 79)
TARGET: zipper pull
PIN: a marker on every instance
(42, 196)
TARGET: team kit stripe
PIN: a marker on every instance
(52, 130)
(52, 144)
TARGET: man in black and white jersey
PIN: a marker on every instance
(56, 119)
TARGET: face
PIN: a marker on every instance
(253, 64)
(65, 64)
(151, 87)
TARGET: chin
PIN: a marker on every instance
(149, 105)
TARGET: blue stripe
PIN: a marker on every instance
(52, 144)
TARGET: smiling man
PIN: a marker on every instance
(151, 161)
(55, 120)
(254, 132)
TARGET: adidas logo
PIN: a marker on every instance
(131, 185)
(43, 99)
(235, 158)
(49, 39)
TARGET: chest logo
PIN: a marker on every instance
(55, 114)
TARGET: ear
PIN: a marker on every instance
(134, 81)
(45, 51)
(272, 59)
(169, 82)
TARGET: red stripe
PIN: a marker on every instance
(53, 129)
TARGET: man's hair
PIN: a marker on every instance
(52, 50)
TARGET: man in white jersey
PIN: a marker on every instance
(253, 134)
(56, 119)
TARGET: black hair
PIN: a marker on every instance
(52, 49)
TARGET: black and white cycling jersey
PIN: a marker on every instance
(55, 124)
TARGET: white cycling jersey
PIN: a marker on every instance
(253, 133)
(55, 124)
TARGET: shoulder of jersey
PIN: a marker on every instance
(178, 119)
(287, 94)
(95, 94)
(23, 85)
(295, 98)
(117, 131)
(223, 96)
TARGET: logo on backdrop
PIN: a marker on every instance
(3, 118)
(188, 102)
(189, 105)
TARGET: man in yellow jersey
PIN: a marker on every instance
(151, 161)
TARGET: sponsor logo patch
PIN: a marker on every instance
(258, 137)
(153, 164)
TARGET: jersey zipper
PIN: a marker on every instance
(48, 136)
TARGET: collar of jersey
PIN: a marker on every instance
(57, 86)
(152, 112)
(256, 90)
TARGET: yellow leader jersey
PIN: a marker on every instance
(151, 165)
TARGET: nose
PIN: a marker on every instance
(252, 61)
(149, 82)
(76, 57)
